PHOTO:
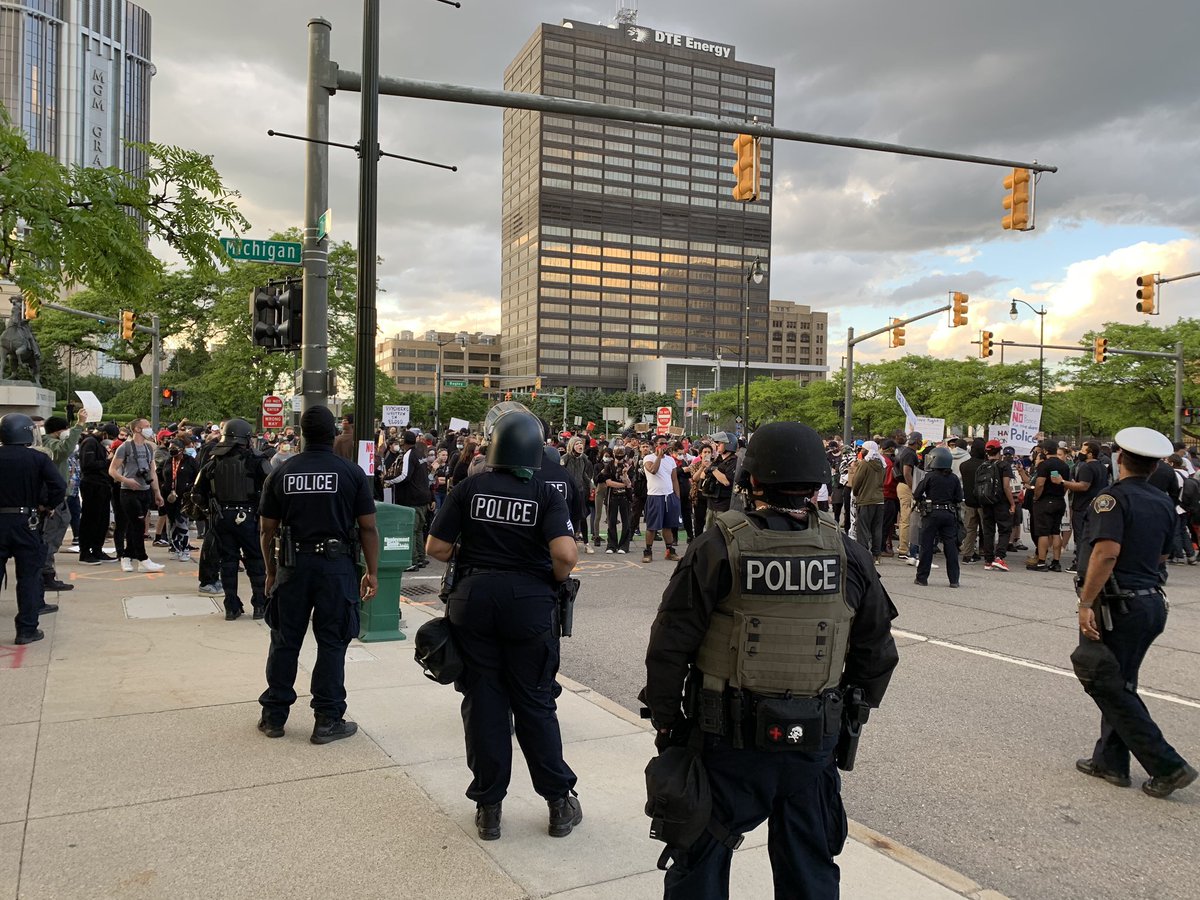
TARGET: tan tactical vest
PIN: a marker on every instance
(785, 623)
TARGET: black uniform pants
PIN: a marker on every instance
(639, 506)
(506, 629)
(939, 525)
(618, 508)
(995, 529)
(1125, 723)
(210, 554)
(135, 505)
(797, 794)
(239, 541)
(325, 591)
(21, 544)
(685, 514)
(93, 522)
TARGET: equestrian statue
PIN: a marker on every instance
(18, 341)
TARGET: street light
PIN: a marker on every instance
(461, 340)
(1041, 313)
(754, 273)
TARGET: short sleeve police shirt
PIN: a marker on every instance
(503, 523)
(319, 495)
(1141, 519)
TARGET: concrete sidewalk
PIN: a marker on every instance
(132, 768)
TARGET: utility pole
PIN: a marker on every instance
(314, 349)
(155, 373)
(368, 196)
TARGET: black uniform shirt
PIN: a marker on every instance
(1140, 518)
(318, 494)
(703, 577)
(30, 479)
(940, 486)
(503, 523)
(561, 479)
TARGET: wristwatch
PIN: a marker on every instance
(1079, 604)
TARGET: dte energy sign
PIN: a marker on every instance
(669, 38)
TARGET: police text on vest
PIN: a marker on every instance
(791, 575)
(504, 510)
(311, 483)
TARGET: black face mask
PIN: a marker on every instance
(175, 451)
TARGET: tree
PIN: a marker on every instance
(467, 403)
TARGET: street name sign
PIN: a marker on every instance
(280, 253)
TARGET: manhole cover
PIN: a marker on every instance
(415, 590)
(164, 606)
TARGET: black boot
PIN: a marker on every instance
(326, 731)
(270, 729)
(231, 614)
(487, 821)
(260, 612)
(565, 814)
(29, 637)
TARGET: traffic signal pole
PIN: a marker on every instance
(851, 340)
(314, 350)
(368, 196)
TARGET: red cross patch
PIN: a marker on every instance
(775, 732)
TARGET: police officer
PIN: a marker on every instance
(938, 496)
(719, 477)
(230, 485)
(1122, 609)
(516, 544)
(770, 620)
(31, 483)
(555, 474)
(321, 507)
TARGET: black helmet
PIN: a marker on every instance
(786, 453)
(940, 458)
(16, 429)
(516, 442)
(494, 414)
(237, 431)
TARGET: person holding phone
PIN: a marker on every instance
(1049, 507)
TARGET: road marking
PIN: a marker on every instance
(1029, 664)
(12, 657)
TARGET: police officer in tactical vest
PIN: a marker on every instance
(321, 507)
(31, 486)
(230, 485)
(772, 639)
(516, 544)
(1122, 609)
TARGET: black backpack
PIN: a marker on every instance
(1189, 496)
(989, 484)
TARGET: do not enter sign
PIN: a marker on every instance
(272, 411)
(664, 416)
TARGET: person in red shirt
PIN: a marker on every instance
(891, 500)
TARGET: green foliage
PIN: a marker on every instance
(467, 403)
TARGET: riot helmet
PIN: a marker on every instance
(516, 442)
(939, 458)
(500, 409)
(786, 453)
(16, 429)
(237, 431)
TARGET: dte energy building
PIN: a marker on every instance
(621, 243)
(75, 77)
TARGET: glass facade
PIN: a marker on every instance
(620, 241)
(30, 47)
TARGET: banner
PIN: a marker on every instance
(910, 419)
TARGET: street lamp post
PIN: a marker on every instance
(461, 339)
(1041, 314)
(754, 273)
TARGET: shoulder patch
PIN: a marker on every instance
(1104, 503)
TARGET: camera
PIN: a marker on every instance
(143, 474)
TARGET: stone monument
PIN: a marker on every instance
(19, 349)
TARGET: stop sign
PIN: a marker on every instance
(272, 406)
(664, 416)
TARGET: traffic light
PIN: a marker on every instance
(128, 320)
(1189, 415)
(1145, 294)
(1016, 201)
(487, 382)
(695, 394)
(746, 174)
(678, 394)
(537, 383)
(985, 344)
(170, 397)
(291, 316)
(960, 309)
(1100, 349)
(32, 307)
(896, 335)
(508, 395)
(533, 396)
(265, 313)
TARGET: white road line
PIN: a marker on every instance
(1029, 664)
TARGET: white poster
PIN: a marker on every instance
(92, 405)
(932, 430)
(458, 424)
(395, 416)
(366, 457)
(1024, 424)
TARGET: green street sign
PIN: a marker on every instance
(454, 383)
(280, 253)
(554, 399)
(324, 224)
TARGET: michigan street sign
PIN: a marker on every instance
(280, 253)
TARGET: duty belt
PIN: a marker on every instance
(330, 547)
(939, 505)
(1138, 592)
(17, 510)
(245, 507)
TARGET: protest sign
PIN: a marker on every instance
(395, 416)
(933, 430)
(1024, 424)
(92, 405)
(459, 424)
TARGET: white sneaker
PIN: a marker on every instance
(588, 548)
(126, 564)
(184, 556)
(149, 565)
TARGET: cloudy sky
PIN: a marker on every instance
(1107, 90)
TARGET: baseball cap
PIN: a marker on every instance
(1062, 445)
(992, 445)
(916, 437)
(1010, 451)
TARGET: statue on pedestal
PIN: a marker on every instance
(19, 342)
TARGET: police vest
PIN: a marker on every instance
(232, 482)
(785, 623)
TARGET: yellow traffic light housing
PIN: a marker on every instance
(959, 304)
(985, 344)
(508, 395)
(896, 336)
(128, 321)
(1145, 294)
(678, 394)
(746, 174)
(537, 383)
(1016, 201)
(1100, 349)
(695, 394)
(487, 382)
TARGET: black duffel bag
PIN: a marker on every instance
(436, 651)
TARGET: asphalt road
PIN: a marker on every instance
(971, 758)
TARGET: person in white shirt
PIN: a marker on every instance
(662, 500)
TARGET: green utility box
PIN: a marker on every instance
(380, 617)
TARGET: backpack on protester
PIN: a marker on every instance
(989, 485)
(1189, 497)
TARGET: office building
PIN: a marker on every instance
(412, 362)
(798, 336)
(620, 243)
(75, 76)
